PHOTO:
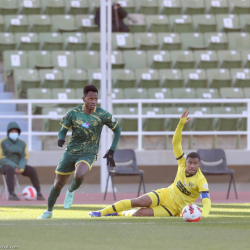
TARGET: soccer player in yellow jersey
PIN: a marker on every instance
(189, 183)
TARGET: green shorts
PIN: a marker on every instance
(68, 162)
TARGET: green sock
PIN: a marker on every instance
(53, 195)
(75, 184)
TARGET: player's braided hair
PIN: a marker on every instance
(89, 87)
(193, 155)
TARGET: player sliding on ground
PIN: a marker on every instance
(86, 122)
(188, 185)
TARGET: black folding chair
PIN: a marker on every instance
(128, 168)
(213, 162)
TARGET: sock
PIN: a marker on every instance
(117, 207)
(128, 213)
(75, 184)
(53, 195)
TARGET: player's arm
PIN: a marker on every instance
(24, 158)
(178, 152)
(206, 205)
(66, 123)
(205, 197)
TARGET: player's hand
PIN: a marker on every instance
(17, 171)
(110, 158)
(185, 115)
(60, 142)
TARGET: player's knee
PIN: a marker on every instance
(78, 177)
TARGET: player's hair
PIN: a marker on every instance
(89, 87)
(193, 155)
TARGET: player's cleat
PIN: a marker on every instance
(95, 214)
(112, 214)
(68, 199)
(45, 215)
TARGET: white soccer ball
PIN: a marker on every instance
(29, 193)
(191, 213)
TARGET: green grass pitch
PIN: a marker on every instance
(227, 227)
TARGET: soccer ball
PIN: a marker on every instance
(191, 213)
(29, 193)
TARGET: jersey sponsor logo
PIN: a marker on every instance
(205, 186)
(85, 125)
(95, 123)
(190, 184)
(180, 186)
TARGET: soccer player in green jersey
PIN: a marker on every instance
(86, 122)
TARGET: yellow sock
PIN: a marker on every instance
(128, 213)
(117, 207)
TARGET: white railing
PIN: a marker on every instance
(139, 116)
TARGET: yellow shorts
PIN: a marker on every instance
(162, 204)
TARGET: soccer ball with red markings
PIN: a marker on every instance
(29, 193)
(191, 213)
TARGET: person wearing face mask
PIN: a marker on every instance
(118, 14)
(13, 159)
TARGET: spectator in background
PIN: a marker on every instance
(13, 159)
(118, 14)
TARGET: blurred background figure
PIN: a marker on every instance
(118, 14)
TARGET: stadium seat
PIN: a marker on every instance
(123, 78)
(127, 124)
(63, 94)
(181, 23)
(63, 23)
(233, 93)
(239, 41)
(205, 93)
(245, 22)
(184, 93)
(74, 41)
(53, 123)
(229, 59)
(50, 41)
(123, 41)
(158, 59)
(53, 7)
(87, 59)
(128, 5)
(182, 59)
(79, 93)
(195, 78)
(193, 41)
(86, 23)
(63, 59)
(171, 78)
(216, 41)
(217, 7)
(153, 124)
(117, 60)
(206, 59)
(117, 93)
(7, 42)
(147, 78)
(40, 23)
(40, 60)
(8, 7)
(25, 79)
(239, 6)
(204, 23)
(193, 7)
(132, 93)
(172, 7)
(157, 23)
(30, 7)
(16, 23)
(245, 54)
(246, 92)
(39, 93)
(240, 78)
(77, 7)
(146, 41)
(147, 7)
(159, 93)
(242, 123)
(75, 78)
(94, 76)
(219, 78)
(135, 59)
(51, 78)
(27, 41)
(228, 23)
(94, 41)
(14, 59)
(1, 24)
(169, 41)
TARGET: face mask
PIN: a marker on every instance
(13, 136)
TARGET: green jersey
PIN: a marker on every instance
(86, 129)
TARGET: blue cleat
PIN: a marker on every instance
(112, 214)
(95, 214)
(68, 199)
(45, 215)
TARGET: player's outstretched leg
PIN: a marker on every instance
(81, 169)
(53, 195)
